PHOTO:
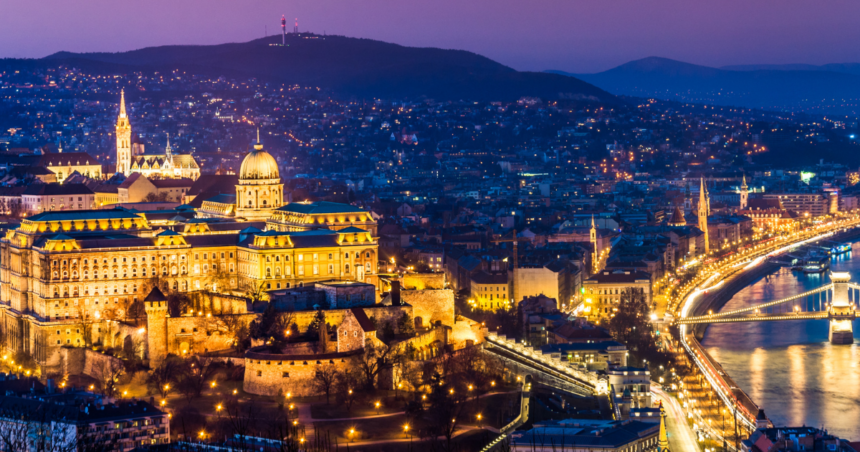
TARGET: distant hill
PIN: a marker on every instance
(350, 66)
(814, 91)
(845, 68)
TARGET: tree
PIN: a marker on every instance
(156, 197)
(387, 332)
(194, 376)
(325, 378)
(135, 312)
(631, 327)
(405, 324)
(84, 322)
(107, 374)
(313, 331)
(375, 359)
(178, 303)
(233, 327)
(133, 348)
(273, 325)
(445, 411)
(346, 386)
(163, 375)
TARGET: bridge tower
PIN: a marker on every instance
(841, 313)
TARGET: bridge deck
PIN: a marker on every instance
(754, 318)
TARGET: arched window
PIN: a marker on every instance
(183, 270)
(74, 275)
(368, 268)
(65, 274)
(278, 271)
(288, 270)
(268, 272)
(56, 275)
(164, 271)
(346, 268)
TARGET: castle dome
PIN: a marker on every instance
(259, 165)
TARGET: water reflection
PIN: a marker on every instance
(789, 368)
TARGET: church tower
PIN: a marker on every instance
(745, 193)
(593, 237)
(123, 139)
(704, 210)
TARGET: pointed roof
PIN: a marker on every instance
(122, 113)
(363, 320)
(677, 218)
(155, 295)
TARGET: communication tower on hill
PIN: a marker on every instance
(284, 30)
(296, 26)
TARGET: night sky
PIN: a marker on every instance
(571, 35)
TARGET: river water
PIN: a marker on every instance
(789, 368)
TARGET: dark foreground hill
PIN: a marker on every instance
(350, 66)
(813, 91)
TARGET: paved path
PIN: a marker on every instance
(681, 436)
(460, 431)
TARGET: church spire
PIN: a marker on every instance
(704, 210)
(593, 236)
(168, 151)
(122, 113)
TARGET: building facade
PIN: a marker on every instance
(73, 270)
(604, 291)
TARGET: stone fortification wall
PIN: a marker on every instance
(84, 361)
(265, 373)
(334, 317)
(201, 334)
(431, 305)
(423, 281)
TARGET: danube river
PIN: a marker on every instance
(788, 367)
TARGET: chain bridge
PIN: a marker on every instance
(836, 302)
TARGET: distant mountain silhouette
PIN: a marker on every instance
(845, 68)
(815, 91)
(350, 66)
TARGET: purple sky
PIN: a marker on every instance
(571, 35)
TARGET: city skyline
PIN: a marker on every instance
(576, 37)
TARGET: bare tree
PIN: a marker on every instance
(107, 374)
(324, 380)
(84, 321)
(234, 328)
(162, 376)
(346, 386)
(194, 376)
(156, 197)
(375, 359)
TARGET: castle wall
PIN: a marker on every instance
(423, 281)
(334, 317)
(84, 361)
(201, 334)
(265, 374)
(430, 305)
